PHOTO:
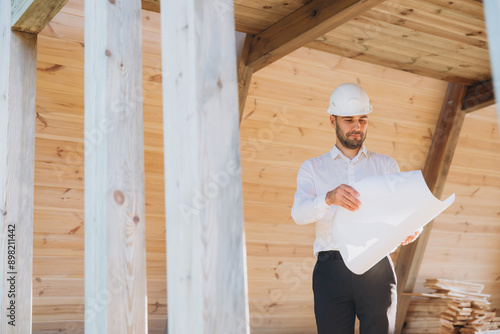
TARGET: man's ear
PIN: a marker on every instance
(332, 120)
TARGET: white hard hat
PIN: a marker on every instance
(349, 100)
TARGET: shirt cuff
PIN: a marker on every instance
(321, 204)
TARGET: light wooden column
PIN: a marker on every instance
(206, 266)
(115, 253)
(492, 13)
(17, 155)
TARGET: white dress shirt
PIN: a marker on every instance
(317, 176)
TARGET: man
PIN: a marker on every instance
(323, 184)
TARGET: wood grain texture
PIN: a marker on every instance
(464, 243)
(17, 154)
(478, 96)
(32, 16)
(151, 5)
(284, 123)
(205, 238)
(59, 165)
(302, 26)
(436, 38)
(435, 172)
(115, 252)
(244, 73)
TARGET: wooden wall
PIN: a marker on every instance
(284, 123)
(465, 240)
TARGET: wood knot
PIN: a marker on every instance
(119, 197)
(112, 1)
(219, 83)
(136, 220)
(108, 53)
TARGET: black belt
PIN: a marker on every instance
(333, 254)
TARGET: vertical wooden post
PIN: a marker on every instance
(491, 14)
(115, 254)
(206, 273)
(17, 155)
(437, 165)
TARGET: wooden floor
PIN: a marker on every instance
(284, 123)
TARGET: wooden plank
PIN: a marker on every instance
(392, 15)
(244, 73)
(151, 5)
(32, 16)
(437, 42)
(435, 172)
(492, 10)
(301, 27)
(115, 252)
(478, 96)
(344, 46)
(17, 155)
(204, 218)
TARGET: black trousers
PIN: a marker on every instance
(340, 296)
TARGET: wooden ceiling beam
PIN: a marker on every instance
(436, 169)
(32, 16)
(479, 96)
(301, 27)
(151, 5)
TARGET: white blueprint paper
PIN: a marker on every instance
(393, 206)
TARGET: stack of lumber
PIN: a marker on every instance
(468, 310)
(469, 317)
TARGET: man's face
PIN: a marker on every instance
(351, 131)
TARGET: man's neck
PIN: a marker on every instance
(348, 152)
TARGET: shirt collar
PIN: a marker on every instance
(336, 153)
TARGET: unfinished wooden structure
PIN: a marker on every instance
(122, 139)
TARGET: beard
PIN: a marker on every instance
(353, 143)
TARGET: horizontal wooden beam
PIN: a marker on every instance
(301, 27)
(436, 169)
(32, 16)
(479, 96)
(151, 5)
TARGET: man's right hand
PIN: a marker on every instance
(344, 196)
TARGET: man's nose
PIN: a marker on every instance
(357, 126)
